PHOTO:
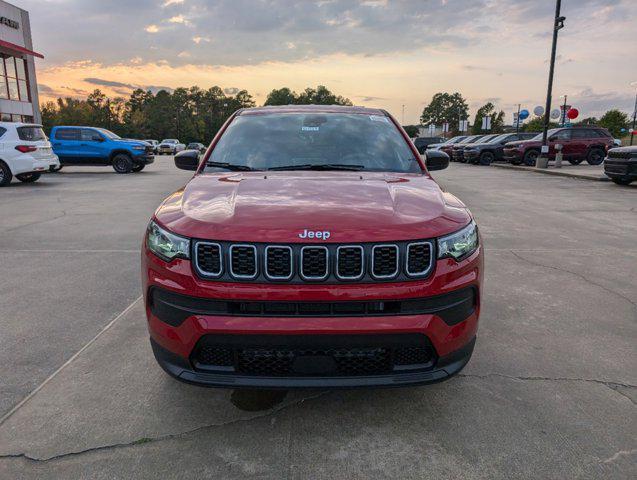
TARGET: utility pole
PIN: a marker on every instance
(632, 133)
(517, 122)
(403, 114)
(543, 160)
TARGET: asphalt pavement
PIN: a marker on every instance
(549, 393)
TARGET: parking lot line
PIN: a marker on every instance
(70, 360)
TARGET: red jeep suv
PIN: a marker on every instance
(578, 144)
(312, 248)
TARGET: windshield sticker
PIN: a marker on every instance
(310, 129)
(378, 118)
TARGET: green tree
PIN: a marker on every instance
(445, 107)
(537, 124)
(321, 95)
(497, 119)
(587, 121)
(614, 121)
(411, 130)
(281, 96)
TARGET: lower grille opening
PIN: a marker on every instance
(320, 355)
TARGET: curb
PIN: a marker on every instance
(546, 171)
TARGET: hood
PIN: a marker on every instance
(131, 142)
(627, 149)
(278, 206)
(435, 145)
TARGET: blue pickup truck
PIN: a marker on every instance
(97, 146)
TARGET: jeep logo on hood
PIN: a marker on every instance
(323, 234)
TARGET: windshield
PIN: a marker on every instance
(109, 134)
(453, 140)
(548, 134)
(488, 138)
(499, 138)
(471, 139)
(306, 140)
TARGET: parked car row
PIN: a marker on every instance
(25, 151)
(576, 143)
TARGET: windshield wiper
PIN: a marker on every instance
(230, 166)
(324, 166)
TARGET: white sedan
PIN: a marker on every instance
(25, 152)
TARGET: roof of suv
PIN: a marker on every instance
(312, 109)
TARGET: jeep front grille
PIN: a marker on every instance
(299, 263)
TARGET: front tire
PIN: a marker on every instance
(28, 177)
(595, 156)
(138, 168)
(122, 163)
(575, 161)
(530, 158)
(486, 158)
(5, 175)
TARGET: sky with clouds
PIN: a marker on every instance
(377, 53)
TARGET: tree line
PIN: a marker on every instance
(189, 114)
(195, 115)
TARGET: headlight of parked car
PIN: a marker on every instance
(139, 147)
(460, 244)
(166, 245)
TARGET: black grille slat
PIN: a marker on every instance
(243, 261)
(278, 262)
(418, 258)
(350, 262)
(209, 258)
(385, 261)
(314, 263)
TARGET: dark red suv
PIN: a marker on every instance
(312, 248)
(578, 144)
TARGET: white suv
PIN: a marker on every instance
(25, 152)
(170, 146)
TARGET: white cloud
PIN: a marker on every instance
(198, 39)
(152, 28)
(169, 3)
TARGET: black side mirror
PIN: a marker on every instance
(187, 160)
(436, 160)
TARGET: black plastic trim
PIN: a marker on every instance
(446, 367)
(174, 308)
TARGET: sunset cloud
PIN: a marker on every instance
(392, 53)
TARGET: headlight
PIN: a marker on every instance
(139, 147)
(166, 245)
(460, 244)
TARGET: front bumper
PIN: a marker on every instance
(200, 309)
(181, 369)
(470, 154)
(144, 159)
(512, 155)
(621, 168)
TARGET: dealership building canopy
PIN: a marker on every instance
(18, 84)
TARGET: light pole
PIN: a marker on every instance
(564, 110)
(632, 133)
(517, 121)
(558, 23)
